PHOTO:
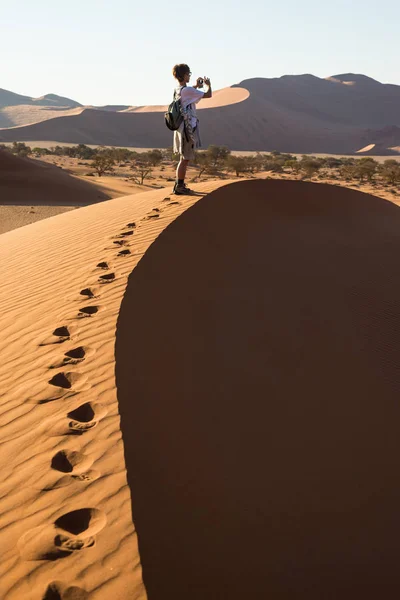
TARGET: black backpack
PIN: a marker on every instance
(173, 117)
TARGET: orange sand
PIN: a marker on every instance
(250, 346)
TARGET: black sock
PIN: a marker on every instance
(180, 181)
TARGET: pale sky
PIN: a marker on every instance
(122, 51)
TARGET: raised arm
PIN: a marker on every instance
(208, 93)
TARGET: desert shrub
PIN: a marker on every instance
(102, 163)
(84, 152)
(217, 155)
(390, 171)
(141, 167)
(205, 164)
(155, 157)
(255, 163)
(309, 165)
(365, 168)
(59, 150)
(21, 149)
(331, 162)
(272, 165)
(236, 164)
(40, 151)
(292, 164)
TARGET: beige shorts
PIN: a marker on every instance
(186, 149)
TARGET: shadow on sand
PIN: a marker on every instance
(257, 367)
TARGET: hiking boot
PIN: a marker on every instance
(180, 189)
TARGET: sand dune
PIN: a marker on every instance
(223, 97)
(65, 512)
(27, 181)
(15, 116)
(8, 98)
(299, 114)
(249, 341)
(258, 381)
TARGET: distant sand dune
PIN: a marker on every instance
(223, 97)
(258, 383)
(27, 181)
(293, 113)
(16, 116)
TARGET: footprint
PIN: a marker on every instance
(108, 278)
(88, 311)
(68, 380)
(123, 234)
(66, 385)
(124, 253)
(153, 216)
(70, 533)
(84, 522)
(58, 590)
(102, 265)
(131, 225)
(59, 335)
(89, 292)
(62, 385)
(165, 199)
(74, 356)
(172, 203)
(85, 417)
(121, 242)
(71, 461)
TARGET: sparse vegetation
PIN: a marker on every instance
(102, 163)
(142, 167)
(218, 162)
(21, 149)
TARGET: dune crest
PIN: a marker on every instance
(224, 97)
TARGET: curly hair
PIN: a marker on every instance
(179, 71)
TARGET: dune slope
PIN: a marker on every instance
(27, 181)
(65, 512)
(258, 380)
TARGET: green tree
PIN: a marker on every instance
(218, 155)
(155, 157)
(204, 163)
(292, 164)
(21, 149)
(365, 168)
(102, 163)
(310, 166)
(40, 151)
(141, 168)
(237, 164)
(84, 152)
(390, 171)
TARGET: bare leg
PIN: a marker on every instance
(181, 170)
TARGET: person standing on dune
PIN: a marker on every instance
(187, 137)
